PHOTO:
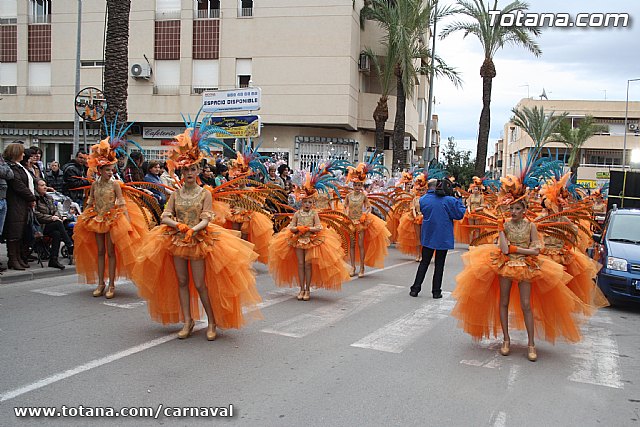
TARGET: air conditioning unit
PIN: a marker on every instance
(142, 71)
(364, 63)
(633, 126)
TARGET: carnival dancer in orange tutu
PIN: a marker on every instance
(370, 231)
(402, 193)
(475, 203)
(583, 270)
(111, 224)
(251, 219)
(307, 244)
(410, 228)
(188, 255)
(485, 286)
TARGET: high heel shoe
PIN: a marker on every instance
(111, 292)
(361, 272)
(531, 353)
(186, 330)
(99, 290)
(306, 296)
(505, 350)
(300, 295)
(352, 272)
(211, 333)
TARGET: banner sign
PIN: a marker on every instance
(588, 183)
(237, 126)
(243, 99)
(161, 132)
(603, 175)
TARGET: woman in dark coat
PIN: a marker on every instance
(20, 200)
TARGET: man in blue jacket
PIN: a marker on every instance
(437, 235)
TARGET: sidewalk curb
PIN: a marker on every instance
(34, 273)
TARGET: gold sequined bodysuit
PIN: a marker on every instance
(475, 201)
(308, 239)
(356, 204)
(188, 207)
(322, 201)
(518, 234)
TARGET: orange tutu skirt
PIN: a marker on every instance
(323, 251)
(555, 308)
(126, 237)
(259, 230)
(229, 278)
(376, 241)
(408, 239)
(221, 211)
(583, 271)
(393, 221)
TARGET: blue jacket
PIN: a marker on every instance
(438, 215)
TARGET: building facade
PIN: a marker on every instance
(601, 153)
(318, 92)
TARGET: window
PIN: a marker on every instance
(205, 76)
(206, 39)
(245, 8)
(92, 64)
(8, 43)
(168, 9)
(166, 78)
(603, 157)
(40, 11)
(39, 43)
(8, 78)
(39, 78)
(167, 40)
(8, 12)
(243, 72)
(206, 9)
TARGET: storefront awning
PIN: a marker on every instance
(44, 132)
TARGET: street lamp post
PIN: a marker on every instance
(626, 125)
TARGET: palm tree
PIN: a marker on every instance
(574, 139)
(492, 38)
(536, 123)
(406, 22)
(384, 73)
(116, 60)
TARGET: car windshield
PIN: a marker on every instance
(625, 228)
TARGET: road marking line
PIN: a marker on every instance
(597, 358)
(514, 371)
(397, 335)
(127, 306)
(499, 419)
(313, 321)
(71, 288)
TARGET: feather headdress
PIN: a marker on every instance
(477, 183)
(107, 151)
(555, 192)
(321, 179)
(512, 190)
(420, 182)
(248, 159)
(371, 166)
(194, 143)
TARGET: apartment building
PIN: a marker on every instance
(599, 154)
(318, 91)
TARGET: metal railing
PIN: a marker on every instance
(206, 14)
(199, 89)
(8, 90)
(166, 90)
(245, 11)
(39, 19)
(169, 14)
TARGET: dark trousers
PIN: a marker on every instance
(57, 232)
(427, 254)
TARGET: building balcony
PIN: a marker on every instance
(40, 19)
(166, 90)
(39, 90)
(169, 14)
(206, 14)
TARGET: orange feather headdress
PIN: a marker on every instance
(185, 152)
(555, 192)
(102, 154)
(512, 190)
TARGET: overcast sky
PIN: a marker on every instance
(575, 64)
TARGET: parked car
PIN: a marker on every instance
(618, 250)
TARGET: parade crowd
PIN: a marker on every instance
(187, 230)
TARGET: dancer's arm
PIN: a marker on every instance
(169, 212)
(317, 225)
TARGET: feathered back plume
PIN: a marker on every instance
(371, 166)
(555, 192)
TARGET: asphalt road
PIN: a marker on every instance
(369, 355)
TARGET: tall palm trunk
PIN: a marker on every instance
(487, 72)
(399, 154)
(574, 163)
(116, 58)
(380, 116)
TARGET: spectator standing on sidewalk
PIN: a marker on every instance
(38, 167)
(74, 175)
(20, 200)
(6, 174)
(437, 235)
(54, 177)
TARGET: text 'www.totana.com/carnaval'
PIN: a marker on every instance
(558, 20)
(82, 411)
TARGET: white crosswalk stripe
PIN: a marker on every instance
(308, 323)
(399, 334)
